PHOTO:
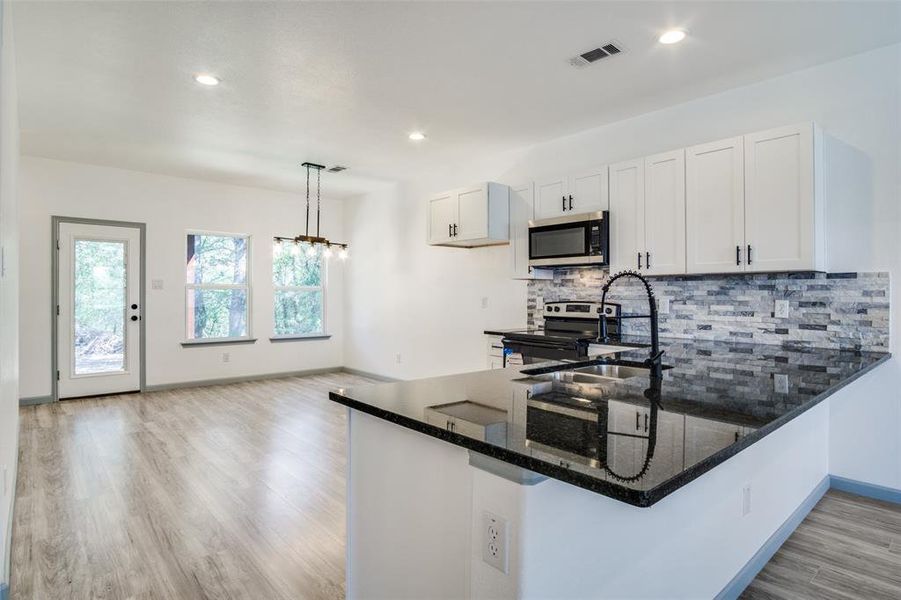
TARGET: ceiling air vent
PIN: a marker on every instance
(595, 55)
(336, 169)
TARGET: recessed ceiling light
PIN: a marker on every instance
(206, 79)
(417, 136)
(673, 36)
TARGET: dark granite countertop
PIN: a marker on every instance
(607, 435)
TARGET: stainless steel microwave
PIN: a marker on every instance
(570, 241)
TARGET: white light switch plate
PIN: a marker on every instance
(156, 284)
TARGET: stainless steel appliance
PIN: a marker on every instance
(569, 327)
(570, 241)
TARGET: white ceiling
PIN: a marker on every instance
(111, 82)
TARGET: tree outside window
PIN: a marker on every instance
(218, 287)
(299, 281)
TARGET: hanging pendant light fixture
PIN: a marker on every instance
(315, 244)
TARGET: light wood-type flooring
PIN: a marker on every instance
(218, 492)
(238, 491)
(847, 547)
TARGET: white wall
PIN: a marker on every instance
(9, 286)
(170, 206)
(425, 302)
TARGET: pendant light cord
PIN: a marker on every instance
(308, 200)
(318, 198)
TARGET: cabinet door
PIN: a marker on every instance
(664, 213)
(442, 216)
(589, 191)
(522, 206)
(626, 215)
(779, 199)
(715, 207)
(472, 213)
(550, 197)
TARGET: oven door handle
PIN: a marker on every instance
(533, 343)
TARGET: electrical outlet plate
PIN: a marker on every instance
(494, 541)
(780, 383)
(226, 357)
(156, 284)
(780, 311)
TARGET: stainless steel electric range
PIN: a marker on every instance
(569, 328)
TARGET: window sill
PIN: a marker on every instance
(193, 343)
(300, 338)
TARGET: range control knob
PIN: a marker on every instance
(549, 308)
(556, 309)
(599, 309)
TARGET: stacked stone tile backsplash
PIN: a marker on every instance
(825, 310)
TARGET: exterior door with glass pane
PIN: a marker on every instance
(99, 312)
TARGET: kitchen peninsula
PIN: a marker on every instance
(459, 486)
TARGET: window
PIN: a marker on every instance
(218, 287)
(299, 280)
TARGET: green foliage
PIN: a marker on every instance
(217, 260)
(99, 304)
(297, 311)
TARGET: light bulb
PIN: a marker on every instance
(311, 251)
(343, 254)
(327, 252)
(295, 249)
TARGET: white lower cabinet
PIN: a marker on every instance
(704, 437)
(495, 351)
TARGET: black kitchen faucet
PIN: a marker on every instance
(653, 361)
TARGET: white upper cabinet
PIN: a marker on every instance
(583, 192)
(715, 207)
(550, 197)
(470, 217)
(522, 210)
(588, 191)
(626, 215)
(472, 204)
(647, 214)
(664, 213)
(442, 216)
(784, 216)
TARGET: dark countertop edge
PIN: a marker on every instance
(639, 498)
(605, 488)
(668, 487)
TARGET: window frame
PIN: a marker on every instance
(247, 286)
(322, 288)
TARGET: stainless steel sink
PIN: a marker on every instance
(611, 371)
(593, 374)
